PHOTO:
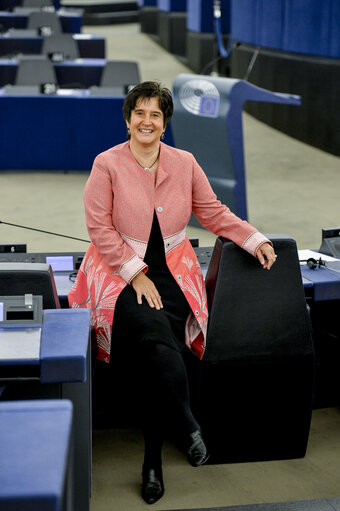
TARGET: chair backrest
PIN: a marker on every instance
(106, 91)
(35, 70)
(256, 313)
(258, 371)
(21, 32)
(61, 43)
(37, 3)
(42, 20)
(17, 279)
(120, 73)
(21, 90)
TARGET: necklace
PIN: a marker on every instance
(147, 168)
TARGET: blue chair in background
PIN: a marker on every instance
(207, 121)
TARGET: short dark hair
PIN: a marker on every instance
(146, 90)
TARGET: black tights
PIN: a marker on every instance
(164, 397)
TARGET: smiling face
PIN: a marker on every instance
(146, 122)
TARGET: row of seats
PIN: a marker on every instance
(39, 23)
(61, 44)
(37, 74)
(37, 70)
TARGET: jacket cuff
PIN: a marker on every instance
(254, 241)
(131, 268)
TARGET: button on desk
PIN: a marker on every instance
(62, 371)
(79, 73)
(70, 21)
(90, 46)
(36, 456)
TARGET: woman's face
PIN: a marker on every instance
(146, 122)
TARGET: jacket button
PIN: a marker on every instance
(159, 209)
(168, 244)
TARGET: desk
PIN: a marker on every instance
(56, 132)
(79, 73)
(320, 284)
(90, 46)
(70, 21)
(324, 282)
(35, 446)
(65, 360)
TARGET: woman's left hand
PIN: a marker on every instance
(266, 255)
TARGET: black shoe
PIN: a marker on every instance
(152, 487)
(197, 453)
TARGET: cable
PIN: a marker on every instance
(224, 53)
(252, 62)
(45, 232)
(211, 63)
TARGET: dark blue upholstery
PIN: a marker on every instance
(172, 5)
(309, 27)
(147, 3)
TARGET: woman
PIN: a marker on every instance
(140, 273)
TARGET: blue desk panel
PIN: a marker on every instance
(65, 373)
(70, 21)
(62, 133)
(325, 281)
(35, 438)
(79, 73)
(90, 46)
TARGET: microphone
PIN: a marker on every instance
(45, 232)
(313, 263)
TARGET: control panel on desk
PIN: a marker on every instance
(61, 262)
(203, 255)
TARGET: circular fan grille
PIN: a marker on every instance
(191, 93)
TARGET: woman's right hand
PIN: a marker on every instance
(145, 287)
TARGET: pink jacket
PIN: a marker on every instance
(120, 199)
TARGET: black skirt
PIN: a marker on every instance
(135, 323)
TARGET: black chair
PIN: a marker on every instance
(117, 78)
(35, 70)
(258, 370)
(17, 279)
(60, 43)
(46, 22)
(37, 3)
